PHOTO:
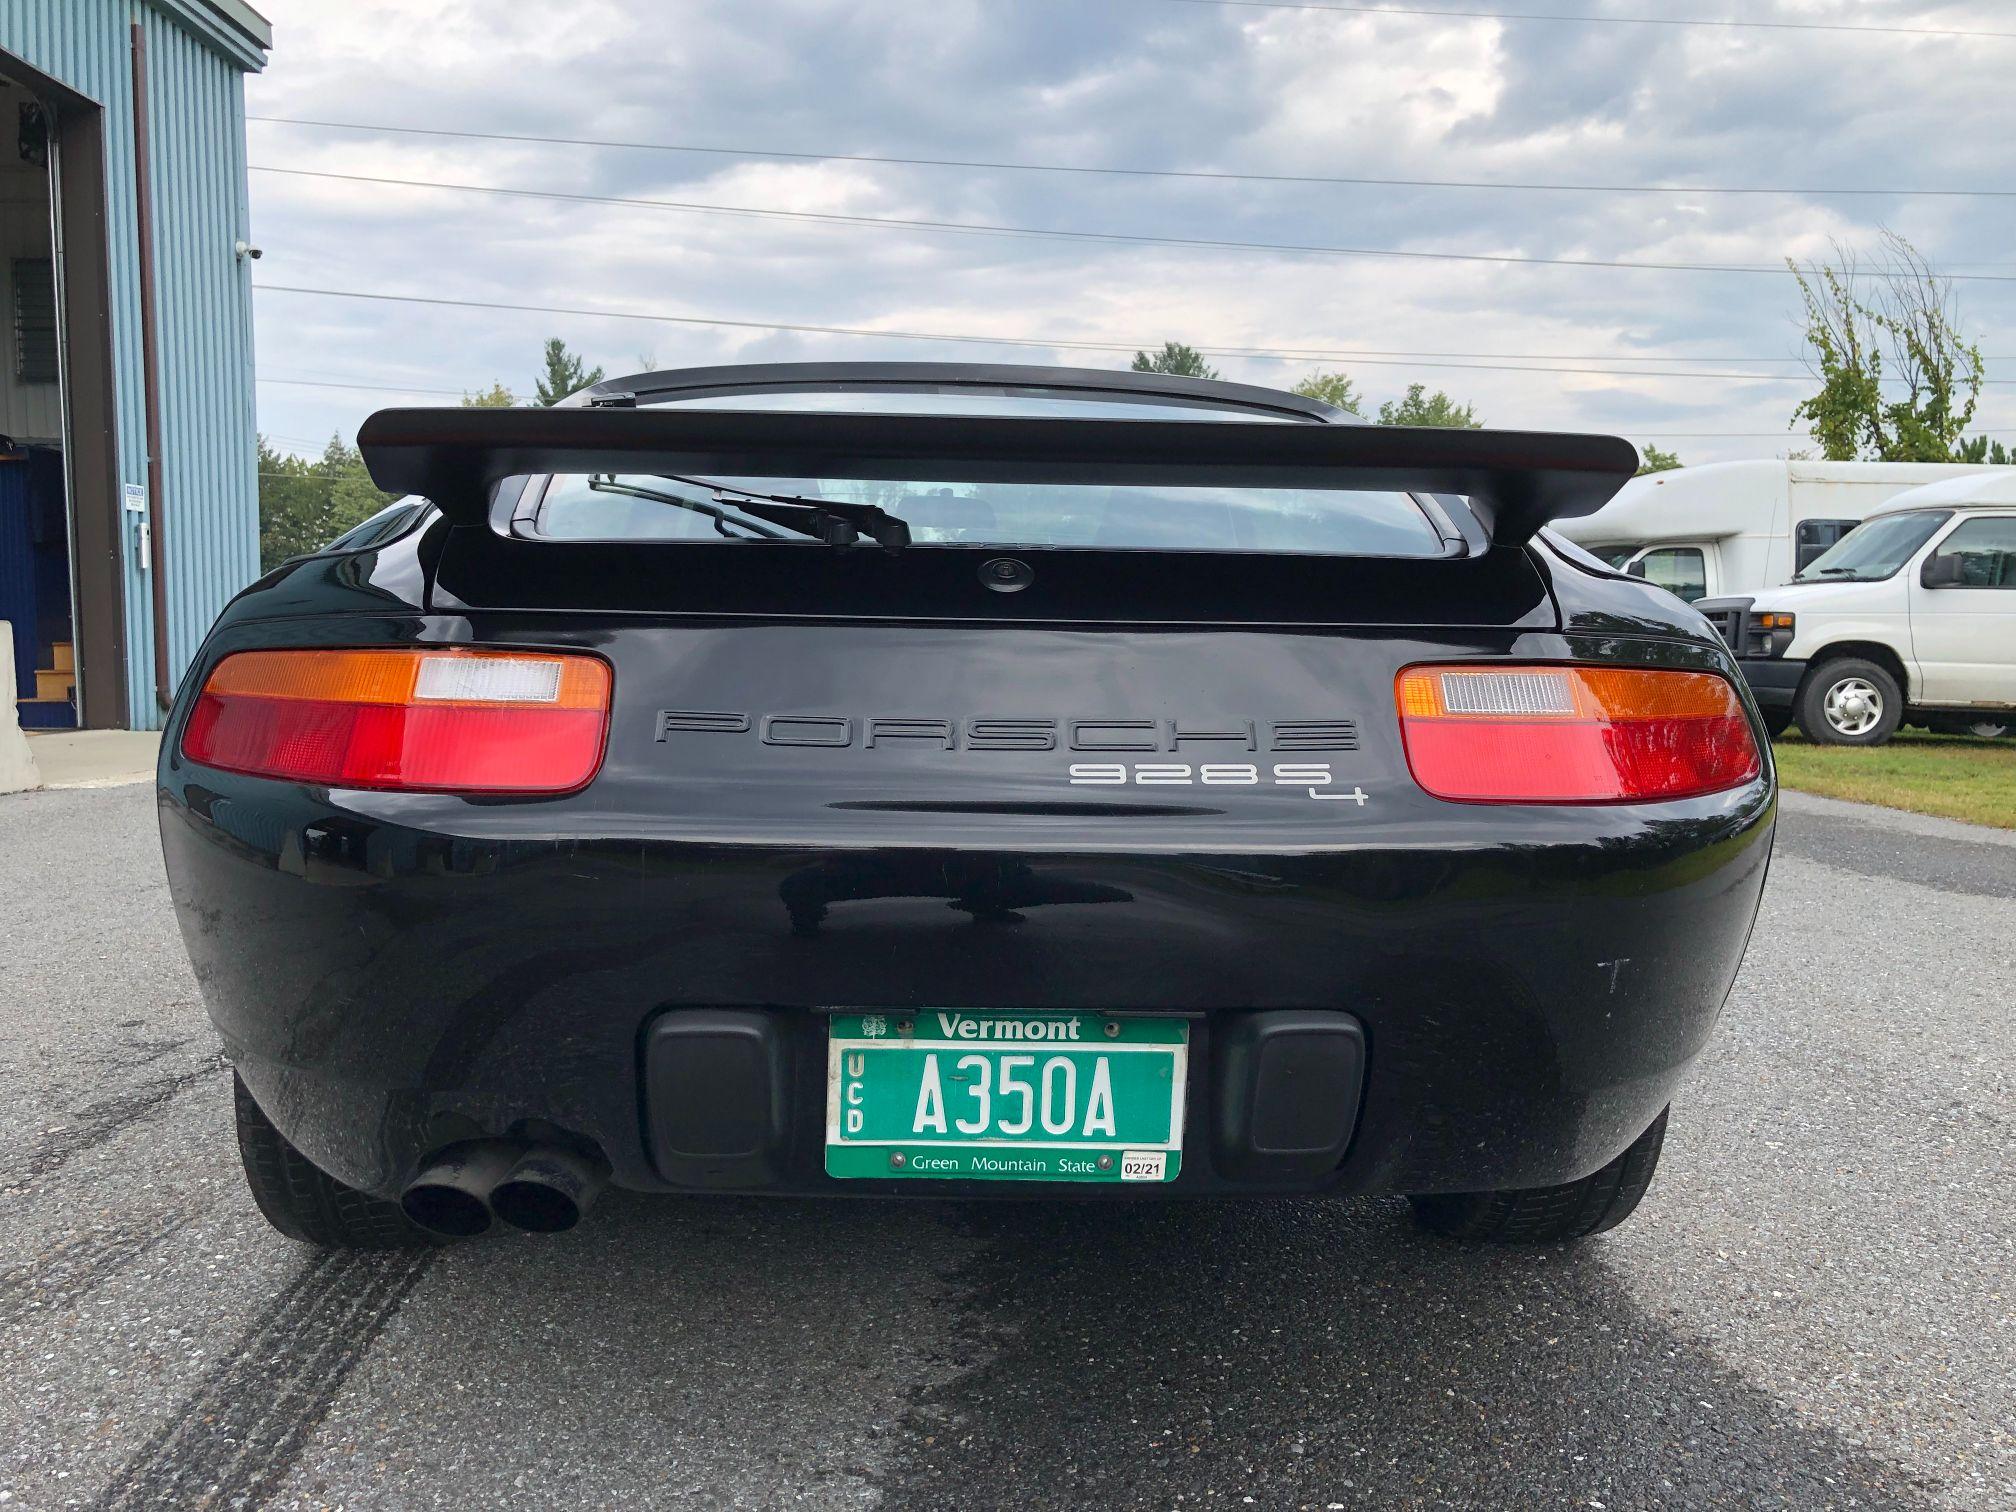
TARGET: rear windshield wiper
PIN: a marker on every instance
(829, 520)
(721, 518)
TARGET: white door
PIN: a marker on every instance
(1963, 627)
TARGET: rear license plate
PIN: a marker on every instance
(948, 1094)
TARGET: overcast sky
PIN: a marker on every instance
(1163, 84)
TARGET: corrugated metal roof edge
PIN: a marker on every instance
(230, 26)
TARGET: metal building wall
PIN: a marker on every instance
(210, 503)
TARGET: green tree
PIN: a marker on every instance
(565, 374)
(1981, 450)
(1652, 459)
(304, 505)
(1332, 388)
(1184, 361)
(1422, 408)
(1896, 320)
(494, 397)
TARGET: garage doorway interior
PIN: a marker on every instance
(61, 572)
(35, 595)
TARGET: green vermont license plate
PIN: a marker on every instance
(949, 1093)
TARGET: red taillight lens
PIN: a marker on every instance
(1528, 734)
(451, 721)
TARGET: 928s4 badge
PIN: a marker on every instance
(1313, 775)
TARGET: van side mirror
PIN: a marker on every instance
(1947, 571)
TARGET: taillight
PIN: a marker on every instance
(455, 721)
(1553, 734)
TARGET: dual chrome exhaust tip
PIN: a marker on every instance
(468, 1189)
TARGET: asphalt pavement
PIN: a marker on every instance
(1816, 1305)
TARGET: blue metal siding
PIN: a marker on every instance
(210, 508)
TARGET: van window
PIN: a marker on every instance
(1681, 570)
(1815, 536)
(1876, 548)
(1987, 552)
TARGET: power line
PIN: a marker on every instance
(1163, 173)
(377, 387)
(972, 228)
(1702, 21)
(1273, 354)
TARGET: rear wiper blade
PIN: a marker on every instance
(830, 520)
(606, 483)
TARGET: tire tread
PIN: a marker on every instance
(1554, 1214)
(306, 1203)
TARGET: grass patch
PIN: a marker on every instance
(1953, 776)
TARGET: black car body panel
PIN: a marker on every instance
(841, 779)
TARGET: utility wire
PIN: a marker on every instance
(1162, 173)
(381, 388)
(1274, 354)
(1706, 21)
(985, 229)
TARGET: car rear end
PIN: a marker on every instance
(1130, 864)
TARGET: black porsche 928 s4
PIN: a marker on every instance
(957, 780)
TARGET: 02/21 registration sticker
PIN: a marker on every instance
(954, 1094)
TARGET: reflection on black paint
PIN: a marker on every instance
(990, 889)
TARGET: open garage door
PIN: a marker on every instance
(61, 578)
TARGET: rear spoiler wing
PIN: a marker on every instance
(1516, 481)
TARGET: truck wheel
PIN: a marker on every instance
(1982, 729)
(305, 1203)
(1550, 1215)
(1850, 701)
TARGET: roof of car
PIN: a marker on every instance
(798, 377)
(1992, 486)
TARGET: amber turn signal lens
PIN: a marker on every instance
(452, 719)
(1573, 734)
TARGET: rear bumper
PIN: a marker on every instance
(391, 974)
(1773, 681)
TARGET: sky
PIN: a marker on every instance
(1681, 359)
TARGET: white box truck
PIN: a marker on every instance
(1736, 527)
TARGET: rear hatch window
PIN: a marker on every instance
(1332, 522)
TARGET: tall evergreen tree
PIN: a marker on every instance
(565, 374)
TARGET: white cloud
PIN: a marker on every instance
(1125, 83)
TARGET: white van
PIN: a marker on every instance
(1735, 527)
(1910, 616)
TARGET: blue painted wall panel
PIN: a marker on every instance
(210, 502)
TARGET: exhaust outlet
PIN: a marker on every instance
(548, 1190)
(451, 1195)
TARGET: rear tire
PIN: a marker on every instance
(1850, 702)
(1549, 1215)
(306, 1203)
